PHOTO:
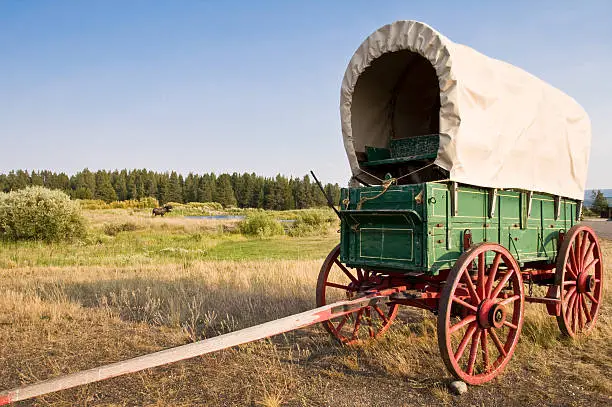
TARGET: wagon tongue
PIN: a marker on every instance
(267, 329)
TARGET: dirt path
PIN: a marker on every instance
(603, 228)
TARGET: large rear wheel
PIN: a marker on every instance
(579, 279)
(481, 313)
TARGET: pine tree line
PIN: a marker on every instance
(241, 190)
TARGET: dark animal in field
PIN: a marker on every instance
(162, 210)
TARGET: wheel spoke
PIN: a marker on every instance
(492, 274)
(481, 275)
(381, 313)
(498, 344)
(510, 325)
(464, 341)
(342, 287)
(357, 323)
(465, 321)
(583, 249)
(470, 287)
(589, 251)
(502, 283)
(345, 271)
(368, 317)
(590, 297)
(485, 349)
(569, 293)
(575, 314)
(359, 274)
(591, 264)
(572, 261)
(342, 322)
(585, 308)
(465, 304)
(579, 311)
(510, 299)
(473, 351)
(569, 282)
(570, 306)
(570, 270)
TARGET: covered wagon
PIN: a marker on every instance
(468, 176)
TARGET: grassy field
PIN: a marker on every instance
(139, 284)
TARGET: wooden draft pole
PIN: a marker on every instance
(194, 349)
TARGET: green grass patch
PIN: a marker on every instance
(274, 248)
(161, 247)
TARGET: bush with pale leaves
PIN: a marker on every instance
(37, 213)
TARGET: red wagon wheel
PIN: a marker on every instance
(579, 276)
(338, 282)
(484, 311)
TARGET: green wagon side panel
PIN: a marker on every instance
(412, 227)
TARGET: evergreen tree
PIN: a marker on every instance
(36, 179)
(206, 190)
(175, 190)
(190, 192)
(150, 184)
(139, 185)
(130, 185)
(225, 193)
(119, 181)
(3, 183)
(104, 188)
(162, 189)
(600, 203)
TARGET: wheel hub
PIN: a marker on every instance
(491, 314)
(585, 283)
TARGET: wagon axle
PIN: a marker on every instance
(585, 283)
(490, 314)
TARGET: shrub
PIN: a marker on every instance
(261, 224)
(206, 206)
(38, 213)
(112, 229)
(142, 203)
(312, 222)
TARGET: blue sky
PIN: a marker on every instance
(250, 86)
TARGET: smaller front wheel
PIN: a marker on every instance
(338, 282)
(481, 315)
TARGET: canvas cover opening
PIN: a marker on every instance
(396, 97)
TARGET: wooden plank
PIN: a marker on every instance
(191, 350)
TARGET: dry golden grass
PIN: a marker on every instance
(144, 220)
(55, 320)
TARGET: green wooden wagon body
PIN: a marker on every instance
(426, 227)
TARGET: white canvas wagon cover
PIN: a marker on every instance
(499, 126)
